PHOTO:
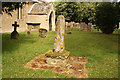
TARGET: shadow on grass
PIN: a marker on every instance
(9, 45)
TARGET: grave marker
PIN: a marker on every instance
(14, 34)
(89, 26)
(60, 35)
(59, 45)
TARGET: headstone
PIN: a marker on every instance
(78, 25)
(59, 45)
(66, 23)
(68, 26)
(89, 26)
(82, 26)
(85, 27)
(14, 34)
(71, 24)
(58, 51)
(42, 33)
(74, 25)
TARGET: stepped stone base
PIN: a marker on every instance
(71, 66)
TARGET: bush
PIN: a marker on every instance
(106, 17)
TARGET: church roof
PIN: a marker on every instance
(40, 8)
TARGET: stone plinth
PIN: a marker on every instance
(57, 62)
(72, 66)
(42, 33)
(63, 55)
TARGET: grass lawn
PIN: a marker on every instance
(101, 49)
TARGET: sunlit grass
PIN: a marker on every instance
(101, 49)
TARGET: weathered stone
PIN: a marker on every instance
(66, 23)
(73, 66)
(89, 26)
(57, 62)
(71, 24)
(83, 26)
(76, 25)
(59, 45)
(64, 55)
(68, 26)
(42, 33)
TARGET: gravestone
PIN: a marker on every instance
(82, 26)
(42, 33)
(85, 27)
(89, 26)
(71, 24)
(14, 34)
(60, 35)
(59, 45)
(74, 25)
(57, 59)
(68, 26)
(66, 23)
(78, 25)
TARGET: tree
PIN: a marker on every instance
(106, 17)
(8, 7)
(76, 11)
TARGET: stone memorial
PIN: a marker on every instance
(60, 35)
(71, 24)
(85, 27)
(89, 26)
(58, 59)
(68, 26)
(14, 34)
(59, 46)
(66, 23)
(82, 26)
(74, 25)
(42, 33)
(78, 25)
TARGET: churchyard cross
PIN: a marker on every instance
(58, 50)
(14, 34)
(15, 25)
(60, 35)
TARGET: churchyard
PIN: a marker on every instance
(83, 46)
(101, 50)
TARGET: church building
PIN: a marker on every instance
(30, 16)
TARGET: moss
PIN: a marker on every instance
(62, 55)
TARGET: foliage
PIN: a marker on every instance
(76, 11)
(8, 7)
(106, 17)
(117, 6)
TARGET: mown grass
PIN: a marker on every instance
(101, 49)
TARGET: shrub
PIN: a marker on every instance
(106, 17)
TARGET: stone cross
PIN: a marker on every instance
(59, 45)
(15, 25)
